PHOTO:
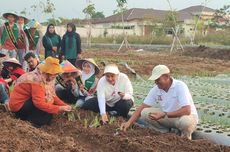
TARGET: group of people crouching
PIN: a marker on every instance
(51, 87)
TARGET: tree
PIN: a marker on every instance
(221, 15)
(89, 11)
(98, 15)
(43, 8)
(121, 8)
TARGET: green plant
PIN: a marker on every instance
(112, 120)
(85, 123)
(71, 116)
(95, 123)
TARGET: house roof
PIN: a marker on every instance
(135, 14)
(197, 8)
(140, 14)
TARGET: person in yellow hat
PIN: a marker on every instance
(177, 110)
(33, 98)
(66, 82)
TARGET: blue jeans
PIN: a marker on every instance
(3, 94)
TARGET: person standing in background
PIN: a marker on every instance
(71, 44)
(23, 43)
(34, 37)
(9, 35)
(51, 42)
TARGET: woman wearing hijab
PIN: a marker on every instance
(87, 82)
(51, 42)
(114, 94)
(71, 44)
(33, 98)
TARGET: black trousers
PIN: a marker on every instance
(66, 95)
(34, 115)
(122, 107)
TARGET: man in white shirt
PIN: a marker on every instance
(177, 109)
(114, 93)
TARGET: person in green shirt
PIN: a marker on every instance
(51, 42)
(71, 44)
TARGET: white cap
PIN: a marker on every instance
(158, 71)
(111, 68)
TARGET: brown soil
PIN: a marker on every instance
(64, 135)
(143, 62)
(205, 52)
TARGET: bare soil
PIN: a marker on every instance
(64, 135)
(191, 62)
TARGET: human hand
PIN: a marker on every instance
(54, 48)
(121, 94)
(65, 108)
(82, 87)
(104, 118)
(125, 126)
(79, 56)
(156, 115)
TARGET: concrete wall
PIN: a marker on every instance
(95, 31)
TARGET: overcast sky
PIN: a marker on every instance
(73, 8)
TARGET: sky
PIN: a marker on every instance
(73, 8)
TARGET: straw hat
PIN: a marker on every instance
(50, 66)
(12, 61)
(67, 67)
(5, 15)
(158, 71)
(111, 68)
(26, 20)
(90, 60)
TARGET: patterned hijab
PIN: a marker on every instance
(37, 77)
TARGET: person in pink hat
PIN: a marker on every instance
(66, 82)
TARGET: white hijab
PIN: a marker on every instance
(92, 71)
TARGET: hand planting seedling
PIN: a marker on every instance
(117, 131)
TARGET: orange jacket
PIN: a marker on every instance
(24, 91)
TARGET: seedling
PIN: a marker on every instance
(95, 123)
(71, 116)
(85, 123)
(112, 120)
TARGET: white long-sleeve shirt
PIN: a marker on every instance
(108, 94)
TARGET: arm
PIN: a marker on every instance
(27, 41)
(186, 110)
(128, 90)
(78, 41)
(134, 117)
(58, 101)
(45, 43)
(63, 46)
(59, 43)
(38, 98)
(101, 96)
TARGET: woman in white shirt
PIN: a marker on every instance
(114, 93)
